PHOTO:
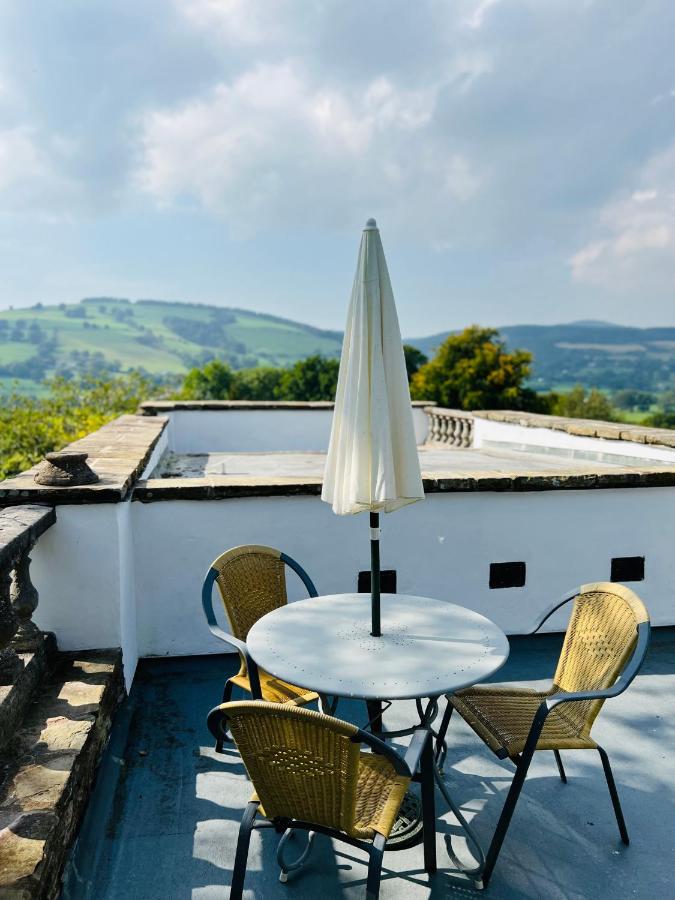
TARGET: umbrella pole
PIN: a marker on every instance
(375, 574)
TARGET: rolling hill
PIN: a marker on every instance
(591, 353)
(113, 334)
(167, 338)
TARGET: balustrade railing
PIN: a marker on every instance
(452, 427)
(20, 527)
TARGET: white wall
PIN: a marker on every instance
(441, 548)
(487, 432)
(232, 430)
(83, 570)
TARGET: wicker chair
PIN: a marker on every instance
(310, 773)
(252, 581)
(605, 644)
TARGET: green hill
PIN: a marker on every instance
(113, 334)
(591, 353)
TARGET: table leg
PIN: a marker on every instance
(374, 708)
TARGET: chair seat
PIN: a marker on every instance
(274, 690)
(502, 717)
(379, 794)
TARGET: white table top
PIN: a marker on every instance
(428, 647)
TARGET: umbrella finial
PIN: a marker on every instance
(371, 225)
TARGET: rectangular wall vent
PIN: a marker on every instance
(387, 582)
(507, 574)
(628, 568)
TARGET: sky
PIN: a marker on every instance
(519, 155)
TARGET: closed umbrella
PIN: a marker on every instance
(372, 461)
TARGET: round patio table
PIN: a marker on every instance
(427, 648)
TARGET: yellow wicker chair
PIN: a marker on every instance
(252, 582)
(605, 644)
(310, 773)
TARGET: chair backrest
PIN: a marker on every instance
(303, 764)
(252, 582)
(600, 639)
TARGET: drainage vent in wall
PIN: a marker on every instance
(507, 574)
(628, 568)
(387, 582)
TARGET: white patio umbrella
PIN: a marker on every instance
(372, 461)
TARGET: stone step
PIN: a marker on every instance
(48, 768)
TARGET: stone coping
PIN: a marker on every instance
(118, 453)
(155, 407)
(613, 431)
(20, 527)
(225, 487)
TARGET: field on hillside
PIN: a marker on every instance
(161, 338)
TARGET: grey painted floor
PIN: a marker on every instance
(163, 819)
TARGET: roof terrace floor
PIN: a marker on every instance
(436, 461)
(163, 819)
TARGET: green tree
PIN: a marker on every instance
(582, 404)
(314, 378)
(663, 419)
(212, 382)
(473, 370)
(259, 383)
(414, 358)
(31, 427)
(630, 398)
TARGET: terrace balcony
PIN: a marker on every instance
(519, 509)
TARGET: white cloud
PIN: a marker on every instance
(276, 146)
(634, 242)
(31, 178)
(476, 17)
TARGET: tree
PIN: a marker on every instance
(414, 358)
(630, 398)
(70, 409)
(212, 382)
(314, 378)
(580, 404)
(473, 370)
(258, 383)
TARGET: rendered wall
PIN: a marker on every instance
(440, 548)
(254, 430)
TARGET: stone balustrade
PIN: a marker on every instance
(20, 527)
(452, 427)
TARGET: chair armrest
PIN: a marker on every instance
(400, 764)
(217, 631)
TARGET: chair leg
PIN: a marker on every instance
(428, 805)
(614, 794)
(227, 693)
(375, 867)
(442, 731)
(561, 768)
(241, 856)
(506, 816)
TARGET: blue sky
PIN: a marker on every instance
(519, 155)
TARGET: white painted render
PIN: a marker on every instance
(217, 431)
(135, 570)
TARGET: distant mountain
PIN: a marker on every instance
(158, 336)
(592, 353)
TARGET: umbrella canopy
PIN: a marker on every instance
(372, 461)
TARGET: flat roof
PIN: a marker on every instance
(444, 469)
